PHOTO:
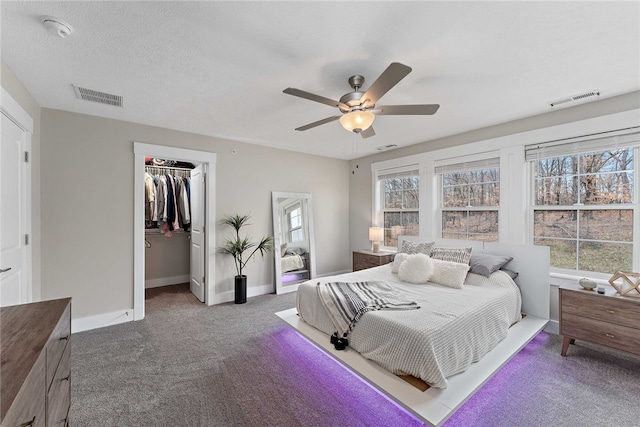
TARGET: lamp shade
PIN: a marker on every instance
(375, 234)
(357, 121)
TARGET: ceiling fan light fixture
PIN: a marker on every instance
(357, 121)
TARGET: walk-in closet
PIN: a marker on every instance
(173, 194)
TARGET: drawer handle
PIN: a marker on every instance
(611, 311)
(64, 338)
(29, 423)
(66, 378)
(609, 335)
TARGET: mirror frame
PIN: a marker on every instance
(277, 239)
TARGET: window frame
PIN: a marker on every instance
(290, 229)
(379, 198)
(579, 208)
(468, 164)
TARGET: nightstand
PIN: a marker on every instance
(610, 320)
(367, 259)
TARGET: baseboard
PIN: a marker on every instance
(259, 290)
(101, 320)
(253, 291)
(553, 327)
(166, 281)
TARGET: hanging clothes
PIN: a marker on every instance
(150, 205)
(167, 200)
(184, 213)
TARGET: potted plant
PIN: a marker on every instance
(237, 247)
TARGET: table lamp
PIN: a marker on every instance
(375, 235)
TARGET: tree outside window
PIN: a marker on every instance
(400, 207)
(470, 202)
(584, 208)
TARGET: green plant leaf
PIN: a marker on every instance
(237, 246)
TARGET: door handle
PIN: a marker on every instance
(4, 270)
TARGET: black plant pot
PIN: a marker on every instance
(241, 289)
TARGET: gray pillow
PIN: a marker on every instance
(295, 251)
(486, 264)
(417, 247)
(459, 255)
(511, 273)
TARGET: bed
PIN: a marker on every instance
(294, 265)
(442, 328)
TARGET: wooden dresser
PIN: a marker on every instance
(610, 320)
(35, 353)
(367, 259)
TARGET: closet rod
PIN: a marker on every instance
(168, 167)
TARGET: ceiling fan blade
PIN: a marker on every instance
(403, 110)
(388, 79)
(368, 132)
(316, 98)
(318, 123)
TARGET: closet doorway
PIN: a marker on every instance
(201, 244)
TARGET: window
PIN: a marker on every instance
(584, 204)
(470, 199)
(295, 230)
(400, 204)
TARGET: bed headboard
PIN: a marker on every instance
(531, 262)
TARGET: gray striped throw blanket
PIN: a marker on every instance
(347, 302)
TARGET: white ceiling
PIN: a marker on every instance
(219, 68)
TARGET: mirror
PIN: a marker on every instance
(294, 250)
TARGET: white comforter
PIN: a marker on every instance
(452, 329)
(291, 263)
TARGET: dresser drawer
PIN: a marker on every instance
(59, 395)
(600, 332)
(611, 309)
(362, 260)
(56, 346)
(29, 404)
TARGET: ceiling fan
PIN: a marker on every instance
(359, 109)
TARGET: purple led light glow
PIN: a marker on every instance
(474, 411)
(373, 407)
(289, 278)
(335, 383)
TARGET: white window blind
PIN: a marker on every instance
(614, 140)
(474, 165)
(397, 173)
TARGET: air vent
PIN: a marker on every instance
(386, 147)
(97, 96)
(574, 98)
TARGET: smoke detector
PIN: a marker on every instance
(57, 26)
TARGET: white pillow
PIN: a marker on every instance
(397, 260)
(448, 273)
(417, 268)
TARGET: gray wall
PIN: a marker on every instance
(166, 258)
(14, 87)
(360, 201)
(88, 198)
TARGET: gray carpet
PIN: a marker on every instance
(186, 364)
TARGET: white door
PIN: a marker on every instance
(197, 232)
(14, 255)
